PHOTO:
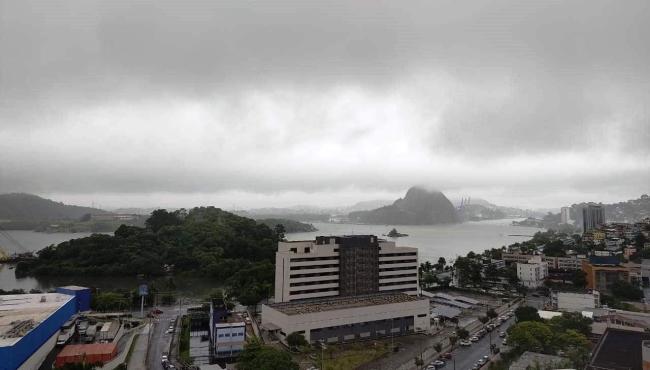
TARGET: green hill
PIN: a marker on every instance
(29, 207)
(418, 207)
(202, 242)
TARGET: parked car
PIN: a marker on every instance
(489, 327)
(447, 355)
(502, 334)
(505, 342)
(438, 363)
(482, 361)
(465, 343)
(476, 367)
(431, 367)
(474, 339)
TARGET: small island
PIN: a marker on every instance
(395, 234)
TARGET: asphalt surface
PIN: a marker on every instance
(160, 341)
(466, 357)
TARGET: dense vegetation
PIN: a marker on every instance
(204, 241)
(256, 356)
(290, 226)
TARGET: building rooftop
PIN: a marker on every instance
(20, 313)
(87, 349)
(229, 324)
(536, 360)
(338, 303)
(619, 349)
(74, 287)
(604, 260)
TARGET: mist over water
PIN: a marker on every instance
(436, 241)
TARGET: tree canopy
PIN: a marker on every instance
(256, 356)
(527, 313)
(205, 241)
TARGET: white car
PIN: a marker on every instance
(465, 343)
(482, 361)
(474, 339)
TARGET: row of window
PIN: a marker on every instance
(403, 268)
(414, 274)
(314, 274)
(398, 254)
(316, 282)
(240, 334)
(305, 259)
(311, 267)
(397, 261)
(399, 283)
(308, 291)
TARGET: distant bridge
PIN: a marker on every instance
(22, 254)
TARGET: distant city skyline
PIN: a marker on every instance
(177, 104)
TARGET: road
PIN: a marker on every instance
(160, 341)
(466, 357)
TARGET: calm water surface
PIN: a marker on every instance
(447, 241)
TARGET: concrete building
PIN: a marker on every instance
(603, 271)
(575, 302)
(29, 327)
(229, 339)
(341, 319)
(331, 266)
(620, 349)
(565, 215)
(561, 263)
(81, 293)
(532, 273)
(593, 216)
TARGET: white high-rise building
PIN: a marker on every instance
(565, 215)
(331, 266)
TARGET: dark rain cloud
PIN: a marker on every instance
(87, 88)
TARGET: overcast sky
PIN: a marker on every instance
(260, 103)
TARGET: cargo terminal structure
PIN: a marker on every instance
(345, 288)
(29, 327)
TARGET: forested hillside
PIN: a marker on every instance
(29, 207)
(203, 241)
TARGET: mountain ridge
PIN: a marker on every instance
(418, 207)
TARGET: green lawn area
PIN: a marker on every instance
(350, 356)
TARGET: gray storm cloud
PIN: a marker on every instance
(525, 102)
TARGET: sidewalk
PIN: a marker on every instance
(139, 356)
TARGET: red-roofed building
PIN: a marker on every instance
(88, 353)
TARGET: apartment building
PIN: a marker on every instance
(575, 302)
(562, 263)
(348, 265)
(603, 271)
(532, 273)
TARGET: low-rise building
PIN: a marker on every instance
(620, 349)
(575, 302)
(532, 273)
(342, 319)
(603, 271)
(29, 327)
(229, 339)
(96, 353)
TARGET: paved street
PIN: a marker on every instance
(466, 357)
(159, 342)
